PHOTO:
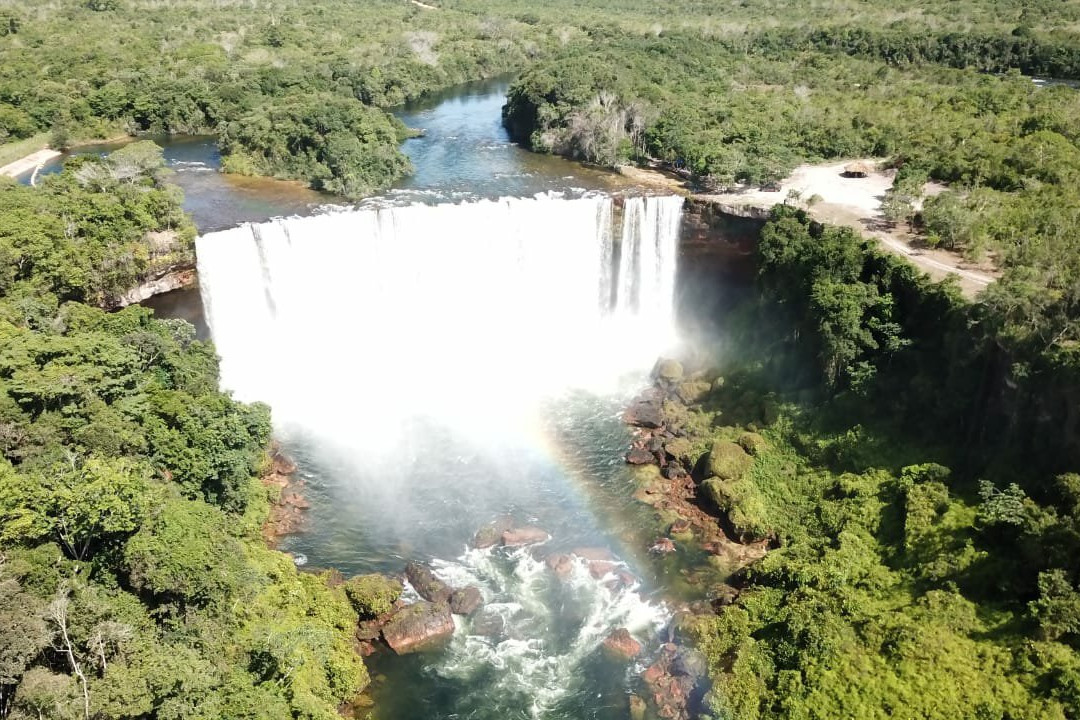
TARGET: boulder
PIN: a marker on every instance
(561, 565)
(663, 546)
(429, 587)
(674, 471)
(488, 623)
(644, 414)
(723, 594)
(640, 456)
(692, 391)
(372, 595)
(593, 553)
(637, 708)
(691, 663)
(679, 449)
(527, 535)
(669, 370)
(728, 461)
(600, 568)
(621, 646)
(490, 534)
(417, 627)
(752, 443)
(466, 601)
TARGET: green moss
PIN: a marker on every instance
(753, 443)
(373, 595)
(728, 461)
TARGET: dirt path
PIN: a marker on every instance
(851, 201)
(30, 162)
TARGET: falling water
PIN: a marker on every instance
(450, 311)
(411, 353)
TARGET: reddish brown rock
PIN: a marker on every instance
(663, 545)
(621, 645)
(653, 673)
(644, 414)
(600, 568)
(418, 627)
(429, 587)
(466, 601)
(640, 456)
(527, 535)
(295, 500)
(561, 565)
(491, 534)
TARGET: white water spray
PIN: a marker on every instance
(462, 313)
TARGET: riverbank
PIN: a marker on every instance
(29, 162)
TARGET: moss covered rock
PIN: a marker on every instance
(679, 449)
(742, 505)
(669, 370)
(692, 391)
(728, 461)
(372, 595)
(752, 443)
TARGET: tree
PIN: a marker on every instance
(23, 634)
(79, 504)
(1057, 609)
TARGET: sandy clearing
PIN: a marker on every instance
(30, 162)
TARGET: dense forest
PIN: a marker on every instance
(917, 474)
(134, 581)
(918, 468)
(249, 71)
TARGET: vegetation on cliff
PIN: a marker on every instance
(917, 480)
(133, 578)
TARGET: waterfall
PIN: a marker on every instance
(412, 355)
(451, 311)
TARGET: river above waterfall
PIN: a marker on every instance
(463, 153)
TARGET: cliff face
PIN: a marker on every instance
(169, 279)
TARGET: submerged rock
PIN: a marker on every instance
(593, 553)
(488, 623)
(429, 587)
(466, 601)
(491, 534)
(621, 646)
(562, 565)
(418, 627)
(527, 535)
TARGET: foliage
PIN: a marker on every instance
(373, 595)
(891, 566)
(91, 233)
(339, 145)
(133, 579)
